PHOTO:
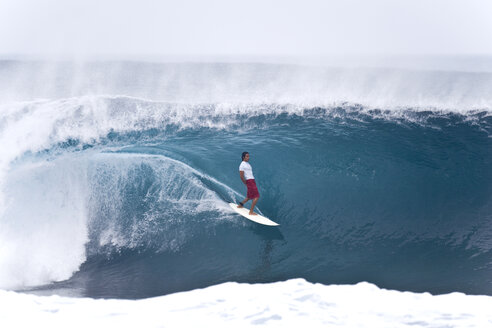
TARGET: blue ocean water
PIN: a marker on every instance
(122, 191)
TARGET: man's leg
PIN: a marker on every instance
(253, 206)
(244, 201)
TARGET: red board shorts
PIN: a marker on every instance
(252, 190)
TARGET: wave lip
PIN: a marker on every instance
(277, 304)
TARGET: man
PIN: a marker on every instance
(246, 174)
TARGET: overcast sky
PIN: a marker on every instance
(248, 27)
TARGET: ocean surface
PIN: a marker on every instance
(115, 177)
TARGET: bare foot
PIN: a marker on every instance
(240, 206)
(252, 213)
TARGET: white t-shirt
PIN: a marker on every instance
(248, 170)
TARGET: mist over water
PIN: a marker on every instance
(386, 87)
(115, 176)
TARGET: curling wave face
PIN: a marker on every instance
(112, 196)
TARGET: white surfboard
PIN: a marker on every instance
(255, 218)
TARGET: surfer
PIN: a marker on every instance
(246, 174)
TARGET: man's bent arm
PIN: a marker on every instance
(241, 174)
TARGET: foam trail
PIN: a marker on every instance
(167, 197)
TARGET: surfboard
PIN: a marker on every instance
(255, 218)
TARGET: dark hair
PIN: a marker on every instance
(244, 155)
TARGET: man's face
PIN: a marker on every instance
(246, 157)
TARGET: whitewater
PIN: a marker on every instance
(115, 179)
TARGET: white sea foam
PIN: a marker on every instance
(43, 228)
(291, 303)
